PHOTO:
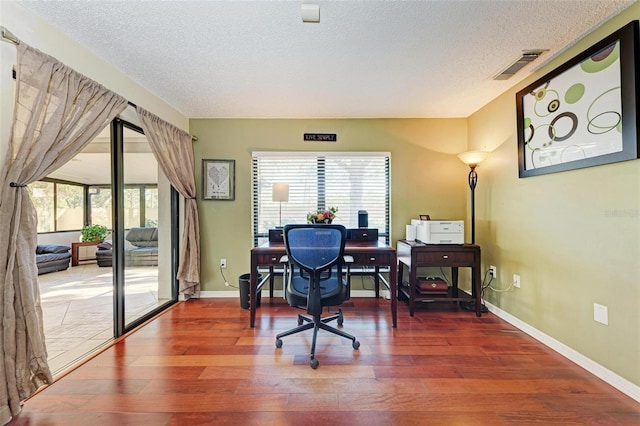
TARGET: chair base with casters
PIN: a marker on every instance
(317, 323)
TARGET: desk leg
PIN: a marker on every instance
(253, 284)
(400, 276)
(413, 279)
(376, 280)
(271, 281)
(477, 289)
(393, 283)
(454, 281)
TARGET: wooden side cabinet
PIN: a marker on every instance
(75, 248)
(412, 255)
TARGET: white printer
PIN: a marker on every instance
(439, 231)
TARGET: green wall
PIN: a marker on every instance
(573, 237)
(426, 175)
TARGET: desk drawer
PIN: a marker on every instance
(446, 258)
(365, 259)
(269, 259)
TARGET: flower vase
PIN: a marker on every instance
(322, 222)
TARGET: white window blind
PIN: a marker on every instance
(350, 181)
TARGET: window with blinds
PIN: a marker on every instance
(350, 181)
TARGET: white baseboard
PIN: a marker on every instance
(620, 383)
(218, 294)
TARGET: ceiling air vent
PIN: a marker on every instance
(527, 57)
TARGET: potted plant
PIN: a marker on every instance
(94, 233)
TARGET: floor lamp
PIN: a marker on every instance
(280, 193)
(472, 159)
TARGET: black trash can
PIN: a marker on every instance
(243, 283)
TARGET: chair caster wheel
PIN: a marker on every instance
(355, 344)
(314, 363)
(278, 343)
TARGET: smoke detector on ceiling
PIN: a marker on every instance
(310, 13)
(525, 59)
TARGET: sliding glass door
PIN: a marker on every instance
(114, 285)
(143, 257)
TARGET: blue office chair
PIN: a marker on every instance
(316, 278)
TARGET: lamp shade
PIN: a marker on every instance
(473, 158)
(280, 192)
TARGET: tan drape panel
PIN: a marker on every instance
(57, 113)
(173, 150)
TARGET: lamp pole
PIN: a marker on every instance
(473, 180)
(472, 159)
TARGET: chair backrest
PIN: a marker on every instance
(315, 247)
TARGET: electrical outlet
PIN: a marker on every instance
(223, 263)
(601, 314)
(516, 280)
(493, 271)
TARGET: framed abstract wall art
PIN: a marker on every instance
(218, 180)
(585, 112)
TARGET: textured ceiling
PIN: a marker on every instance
(366, 59)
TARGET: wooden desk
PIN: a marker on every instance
(75, 259)
(364, 253)
(416, 255)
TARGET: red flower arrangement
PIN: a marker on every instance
(322, 216)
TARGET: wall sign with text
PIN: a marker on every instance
(320, 137)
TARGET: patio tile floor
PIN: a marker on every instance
(77, 309)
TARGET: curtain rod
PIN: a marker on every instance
(10, 38)
(193, 138)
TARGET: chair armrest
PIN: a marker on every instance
(348, 260)
(285, 275)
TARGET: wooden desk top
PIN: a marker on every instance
(415, 244)
(349, 246)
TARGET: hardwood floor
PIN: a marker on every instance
(200, 363)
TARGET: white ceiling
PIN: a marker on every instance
(365, 59)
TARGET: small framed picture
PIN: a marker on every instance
(425, 217)
(219, 180)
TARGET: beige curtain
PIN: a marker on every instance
(173, 150)
(57, 112)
